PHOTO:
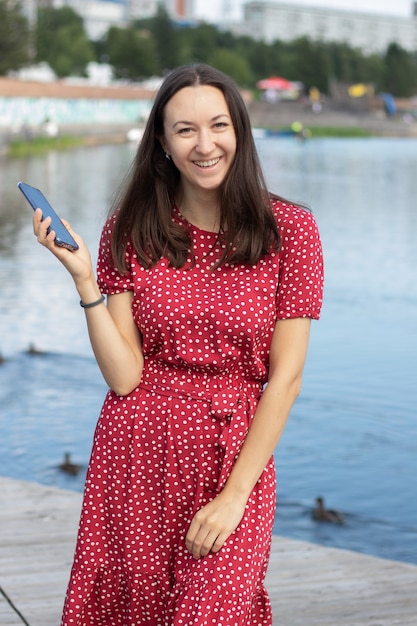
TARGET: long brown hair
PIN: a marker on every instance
(144, 207)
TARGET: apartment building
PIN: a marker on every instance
(371, 32)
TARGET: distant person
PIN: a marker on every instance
(211, 284)
(271, 95)
(50, 127)
(314, 97)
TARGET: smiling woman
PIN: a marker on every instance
(202, 147)
(211, 284)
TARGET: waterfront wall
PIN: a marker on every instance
(31, 104)
(84, 109)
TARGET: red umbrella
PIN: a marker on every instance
(275, 82)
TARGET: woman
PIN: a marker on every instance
(211, 283)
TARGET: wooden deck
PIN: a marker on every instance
(309, 585)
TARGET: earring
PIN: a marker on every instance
(167, 156)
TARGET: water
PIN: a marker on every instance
(352, 435)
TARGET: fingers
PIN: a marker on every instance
(77, 263)
(204, 541)
(46, 236)
(37, 220)
(212, 525)
(66, 224)
(40, 228)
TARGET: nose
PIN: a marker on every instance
(205, 143)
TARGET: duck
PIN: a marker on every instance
(68, 466)
(33, 351)
(321, 514)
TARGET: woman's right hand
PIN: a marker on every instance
(114, 337)
(78, 263)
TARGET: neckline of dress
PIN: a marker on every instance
(189, 224)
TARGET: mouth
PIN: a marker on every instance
(205, 164)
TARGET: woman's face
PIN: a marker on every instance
(199, 136)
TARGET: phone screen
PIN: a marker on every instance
(38, 201)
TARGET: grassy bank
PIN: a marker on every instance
(338, 131)
(40, 145)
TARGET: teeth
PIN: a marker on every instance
(207, 163)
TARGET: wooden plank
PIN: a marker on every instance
(309, 585)
(38, 529)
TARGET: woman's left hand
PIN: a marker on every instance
(213, 524)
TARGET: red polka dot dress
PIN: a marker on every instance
(167, 448)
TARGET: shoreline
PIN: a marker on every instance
(330, 122)
(376, 123)
(333, 115)
(332, 126)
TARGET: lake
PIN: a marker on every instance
(352, 435)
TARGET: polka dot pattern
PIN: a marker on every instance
(166, 449)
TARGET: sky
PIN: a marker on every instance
(214, 10)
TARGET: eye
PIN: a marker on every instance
(221, 125)
(187, 130)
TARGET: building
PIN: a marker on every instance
(97, 16)
(371, 32)
(179, 10)
(100, 15)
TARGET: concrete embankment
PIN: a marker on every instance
(283, 114)
(102, 113)
(271, 115)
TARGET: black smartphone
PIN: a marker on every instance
(37, 200)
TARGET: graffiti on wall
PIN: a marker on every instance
(16, 112)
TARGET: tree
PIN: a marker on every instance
(263, 58)
(310, 63)
(165, 38)
(61, 41)
(372, 70)
(157, 44)
(400, 71)
(340, 61)
(14, 37)
(131, 52)
(197, 44)
(233, 64)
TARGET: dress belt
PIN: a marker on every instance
(232, 401)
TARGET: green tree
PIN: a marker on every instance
(197, 44)
(233, 64)
(14, 36)
(131, 52)
(165, 36)
(61, 41)
(156, 44)
(350, 65)
(400, 71)
(263, 58)
(309, 63)
(372, 70)
(340, 62)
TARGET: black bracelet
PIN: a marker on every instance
(91, 304)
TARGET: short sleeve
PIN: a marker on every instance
(300, 284)
(110, 279)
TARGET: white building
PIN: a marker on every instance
(371, 32)
(99, 15)
(177, 9)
